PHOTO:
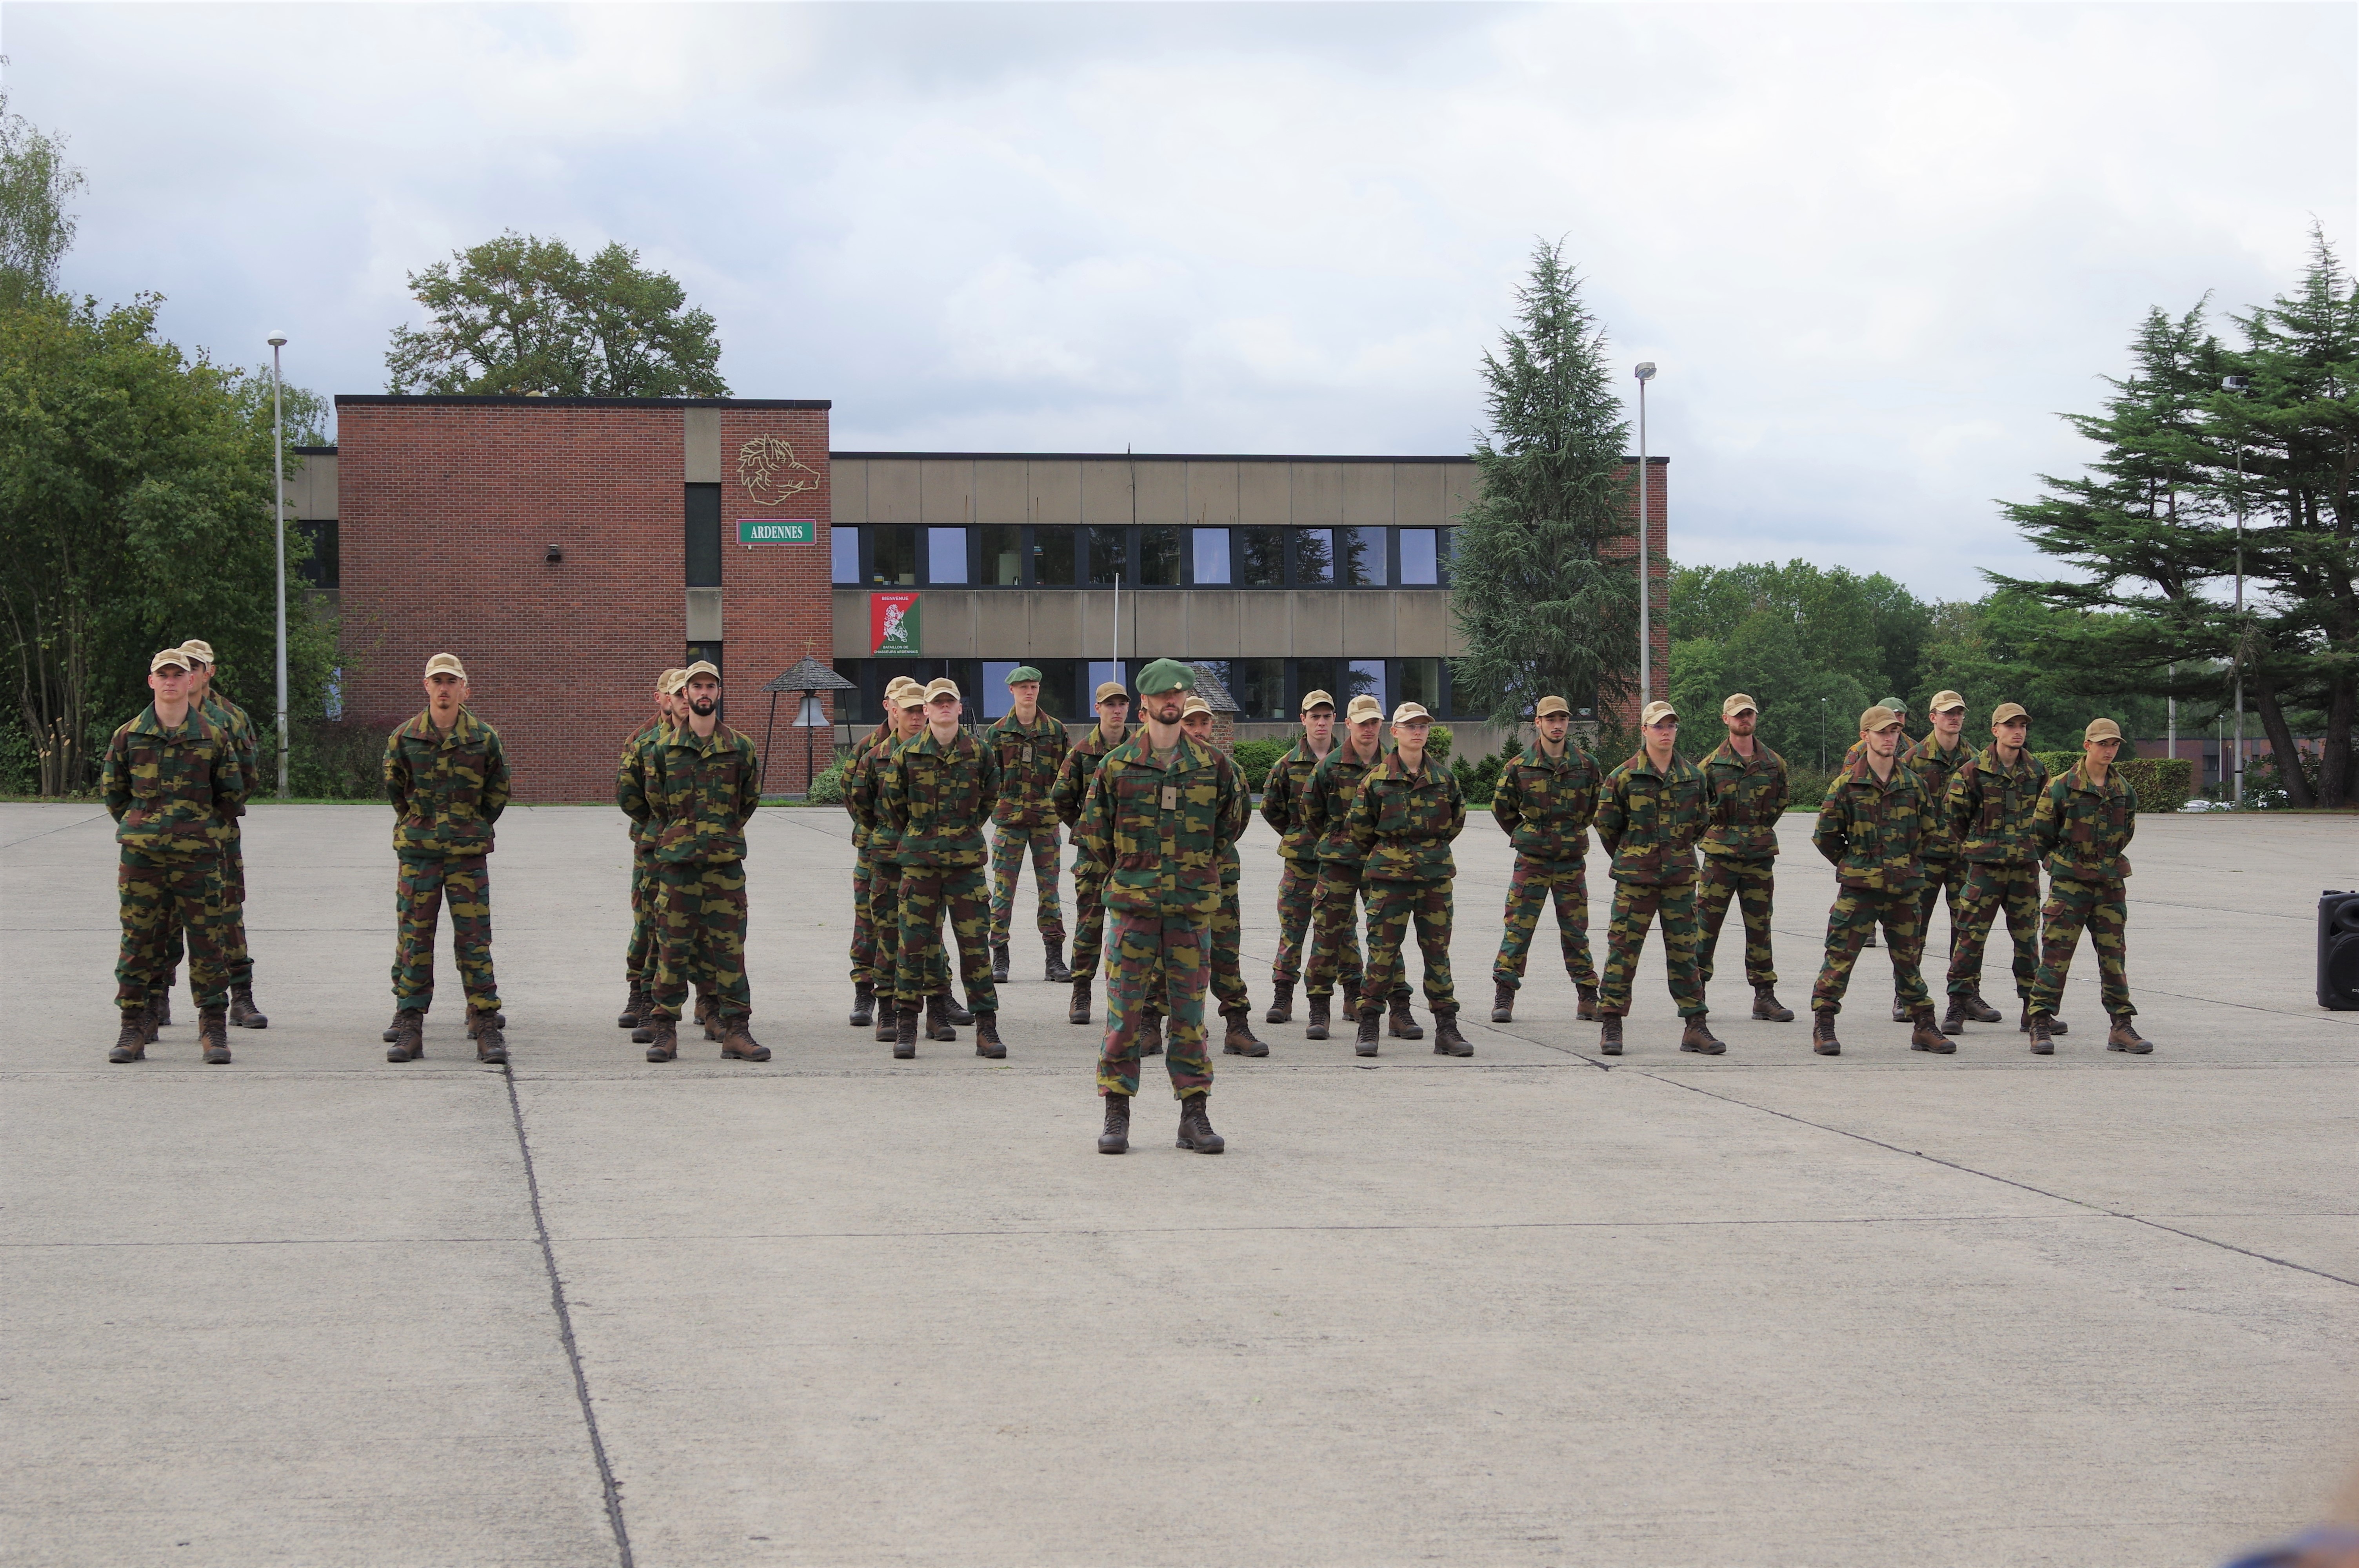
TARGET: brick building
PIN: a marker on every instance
(568, 548)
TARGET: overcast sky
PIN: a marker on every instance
(1872, 248)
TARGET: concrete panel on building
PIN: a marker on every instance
(947, 491)
(1106, 492)
(1316, 491)
(1213, 622)
(1157, 625)
(1262, 499)
(1318, 615)
(1003, 624)
(896, 490)
(311, 486)
(1056, 490)
(1453, 644)
(1368, 623)
(1056, 618)
(851, 623)
(704, 615)
(1265, 629)
(1003, 491)
(947, 624)
(1367, 494)
(1212, 495)
(1163, 494)
(701, 445)
(1417, 495)
(1460, 483)
(1420, 625)
(848, 485)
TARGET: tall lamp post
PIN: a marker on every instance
(1645, 373)
(2237, 384)
(278, 525)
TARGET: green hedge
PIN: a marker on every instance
(1255, 758)
(2163, 783)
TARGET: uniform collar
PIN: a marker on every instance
(1860, 772)
(1539, 759)
(1392, 767)
(150, 723)
(1640, 763)
(1726, 752)
(462, 729)
(2082, 781)
(960, 743)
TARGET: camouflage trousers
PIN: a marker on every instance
(1752, 885)
(1151, 952)
(700, 935)
(1334, 929)
(1637, 906)
(1392, 907)
(1529, 889)
(187, 893)
(920, 969)
(1941, 876)
(1857, 912)
(1008, 848)
(1298, 885)
(638, 959)
(1991, 887)
(1228, 975)
(236, 957)
(1089, 928)
(864, 930)
(2104, 909)
(423, 887)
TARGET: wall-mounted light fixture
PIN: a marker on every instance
(556, 552)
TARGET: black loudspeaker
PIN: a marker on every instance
(2338, 951)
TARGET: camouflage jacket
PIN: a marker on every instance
(1545, 806)
(1028, 763)
(1160, 830)
(1744, 801)
(1232, 862)
(701, 793)
(1873, 833)
(631, 781)
(1070, 794)
(167, 790)
(1990, 806)
(860, 783)
(1401, 823)
(447, 790)
(1649, 821)
(1939, 769)
(248, 742)
(935, 797)
(1326, 809)
(1285, 801)
(2082, 826)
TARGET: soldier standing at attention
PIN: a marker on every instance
(1158, 814)
(170, 774)
(630, 779)
(905, 708)
(447, 779)
(1745, 791)
(1326, 812)
(935, 793)
(232, 719)
(2083, 823)
(1228, 980)
(1069, 794)
(1649, 816)
(1937, 759)
(1284, 794)
(1402, 823)
(703, 786)
(1031, 746)
(1872, 830)
(1543, 802)
(1993, 798)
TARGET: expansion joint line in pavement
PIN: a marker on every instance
(565, 1329)
(2004, 1181)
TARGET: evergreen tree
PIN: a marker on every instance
(1538, 610)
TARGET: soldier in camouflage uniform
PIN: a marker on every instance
(1650, 813)
(703, 786)
(1031, 746)
(1937, 759)
(1158, 814)
(1284, 794)
(1745, 790)
(1069, 794)
(1402, 822)
(935, 793)
(630, 775)
(1543, 802)
(446, 778)
(905, 701)
(1993, 798)
(1872, 828)
(2083, 823)
(1228, 926)
(230, 717)
(1335, 904)
(170, 775)
(860, 802)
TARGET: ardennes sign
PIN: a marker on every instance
(778, 530)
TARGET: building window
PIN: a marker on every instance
(946, 555)
(1259, 686)
(892, 555)
(1441, 540)
(1420, 682)
(1158, 558)
(1052, 558)
(1104, 670)
(844, 556)
(1212, 550)
(994, 699)
(1419, 563)
(1109, 557)
(1061, 691)
(1314, 558)
(1360, 558)
(322, 570)
(704, 535)
(1366, 678)
(1003, 556)
(1261, 557)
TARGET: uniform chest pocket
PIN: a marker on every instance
(1137, 819)
(462, 774)
(147, 772)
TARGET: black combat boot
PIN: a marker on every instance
(1447, 1041)
(131, 1036)
(1371, 1026)
(1954, 1018)
(737, 1042)
(1766, 1005)
(1239, 1040)
(1055, 972)
(954, 1011)
(2042, 1030)
(1608, 1034)
(1696, 1035)
(1195, 1132)
(663, 1039)
(1115, 1139)
(1151, 1034)
(243, 1014)
(1503, 1003)
(1281, 1004)
(1585, 1002)
(1315, 1026)
(1403, 1025)
(2123, 1037)
(864, 1005)
(938, 1018)
(905, 1034)
(408, 1034)
(1978, 1011)
(986, 1037)
(212, 1033)
(633, 1010)
(1823, 1034)
(1079, 1011)
(491, 1045)
(999, 963)
(1924, 1034)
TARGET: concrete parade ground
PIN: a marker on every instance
(1538, 1307)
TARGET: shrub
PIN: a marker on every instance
(2163, 783)
(1255, 758)
(1439, 742)
(827, 785)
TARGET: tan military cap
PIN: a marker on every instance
(445, 665)
(1944, 702)
(200, 650)
(1194, 706)
(701, 667)
(1411, 713)
(2101, 729)
(911, 695)
(1738, 703)
(1364, 707)
(1655, 713)
(941, 687)
(1109, 688)
(672, 682)
(170, 658)
(1549, 704)
(1878, 718)
(1314, 698)
(2007, 710)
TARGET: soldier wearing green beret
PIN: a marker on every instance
(2083, 823)
(1031, 747)
(1159, 812)
(170, 777)
(935, 793)
(1403, 819)
(448, 779)
(1071, 794)
(1872, 828)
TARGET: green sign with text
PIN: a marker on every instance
(777, 531)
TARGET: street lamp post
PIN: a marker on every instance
(2237, 383)
(279, 526)
(1645, 373)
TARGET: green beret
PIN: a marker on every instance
(1898, 703)
(1166, 675)
(1022, 671)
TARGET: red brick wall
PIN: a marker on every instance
(1659, 554)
